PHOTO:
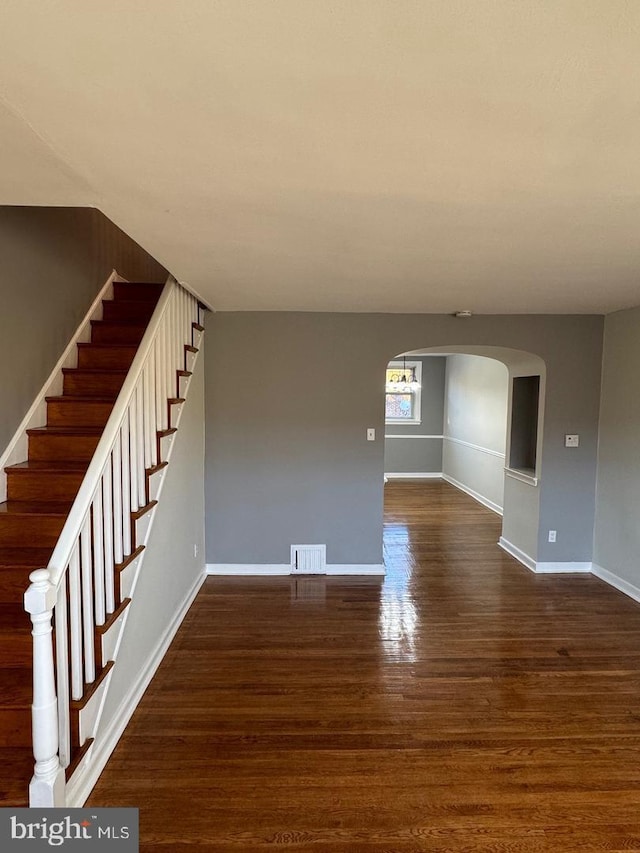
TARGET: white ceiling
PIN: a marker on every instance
(342, 155)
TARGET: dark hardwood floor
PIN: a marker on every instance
(462, 704)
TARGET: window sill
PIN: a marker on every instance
(404, 423)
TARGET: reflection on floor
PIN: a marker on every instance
(460, 704)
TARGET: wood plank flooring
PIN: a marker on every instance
(462, 704)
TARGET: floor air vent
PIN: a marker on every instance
(309, 559)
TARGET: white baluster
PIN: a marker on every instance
(159, 378)
(126, 485)
(98, 557)
(62, 674)
(136, 498)
(186, 337)
(75, 625)
(168, 355)
(147, 377)
(175, 334)
(107, 511)
(137, 472)
(151, 425)
(47, 784)
(88, 625)
(116, 459)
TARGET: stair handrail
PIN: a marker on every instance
(61, 555)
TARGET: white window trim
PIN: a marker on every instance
(417, 393)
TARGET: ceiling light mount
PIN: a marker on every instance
(463, 315)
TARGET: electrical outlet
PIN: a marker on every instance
(552, 536)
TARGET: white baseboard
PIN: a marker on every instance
(356, 569)
(274, 569)
(614, 580)
(248, 569)
(416, 475)
(519, 555)
(558, 568)
(81, 783)
(562, 568)
(475, 495)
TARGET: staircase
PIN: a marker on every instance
(40, 494)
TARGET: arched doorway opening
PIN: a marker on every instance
(472, 416)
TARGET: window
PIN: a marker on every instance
(402, 392)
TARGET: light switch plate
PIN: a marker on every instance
(572, 441)
(371, 434)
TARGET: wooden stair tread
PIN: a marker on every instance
(66, 430)
(184, 372)
(119, 567)
(53, 466)
(95, 371)
(16, 763)
(104, 345)
(155, 468)
(143, 510)
(113, 617)
(132, 322)
(15, 556)
(16, 687)
(35, 508)
(71, 398)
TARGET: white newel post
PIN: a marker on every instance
(47, 787)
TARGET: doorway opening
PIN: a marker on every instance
(471, 417)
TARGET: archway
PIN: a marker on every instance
(489, 448)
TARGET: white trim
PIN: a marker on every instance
(474, 446)
(520, 475)
(395, 435)
(615, 581)
(81, 783)
(559, 568)
(279, 569)
(562, 568)
(415, 475)
(494, 507)
(244, 569)
(17, 449)
(519, 555)
(357, 569)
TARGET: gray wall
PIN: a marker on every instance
(475, 430)
(54, 261)
(617, 532)
(287, 455)
(414, 453)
